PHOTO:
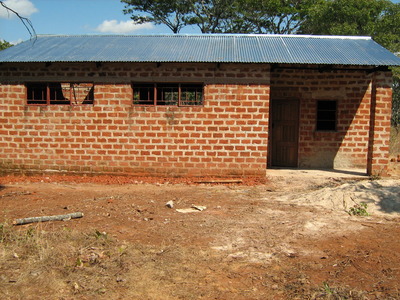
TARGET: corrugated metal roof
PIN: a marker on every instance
(228, 48)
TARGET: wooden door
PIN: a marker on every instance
(284, 133)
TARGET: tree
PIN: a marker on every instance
(170, 13)
(212, 16)
(276, 16)
(387, 29)
(223, 16)
(376, 18)
(4, 45)
(344, 17)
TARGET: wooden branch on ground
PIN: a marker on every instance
(66, 217)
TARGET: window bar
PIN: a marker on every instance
(47, 94)
(179, 94)
(71, 86)
(155, 94)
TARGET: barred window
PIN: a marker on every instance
(167, 94)
(56, 93)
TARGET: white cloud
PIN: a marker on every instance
(113, 26)
(24, 8)
(16, 42)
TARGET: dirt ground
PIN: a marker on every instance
(289, 236)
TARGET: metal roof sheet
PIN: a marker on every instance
(228, 48)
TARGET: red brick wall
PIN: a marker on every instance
(348, 146)
(379, 141)
(226, 136)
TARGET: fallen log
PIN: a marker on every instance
(66, 217)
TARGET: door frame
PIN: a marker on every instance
(271, 139)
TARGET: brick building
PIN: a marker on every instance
(195, 104)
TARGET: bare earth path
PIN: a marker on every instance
(289, 237)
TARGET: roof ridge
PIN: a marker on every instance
(213, 35)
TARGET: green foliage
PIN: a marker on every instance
(4, 45)
(359, 210)
(387, 29)
(170, 13)
(327, 289)
(376, 18)
(214, 16)
(344, 17)
(223, 16)
(274, 16)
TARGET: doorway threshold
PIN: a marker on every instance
(314, 173)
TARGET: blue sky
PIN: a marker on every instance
(73, 17)
(70, 17)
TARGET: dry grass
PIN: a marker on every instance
(40, 263)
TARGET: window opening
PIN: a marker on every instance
(191, 95)
(37, 93)
(56, 93)
(82, 93)
(167, 94)
(326, 115)
(143, 94)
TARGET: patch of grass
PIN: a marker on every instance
(359, 210)
(327, 289)
(34, 261)
(336, 293)
(44, 262)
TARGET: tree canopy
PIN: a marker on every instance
(222, 16)
(4, 45)
(377, 18)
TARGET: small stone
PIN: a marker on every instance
(187, 210)
(199, 207)
(170, 204)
